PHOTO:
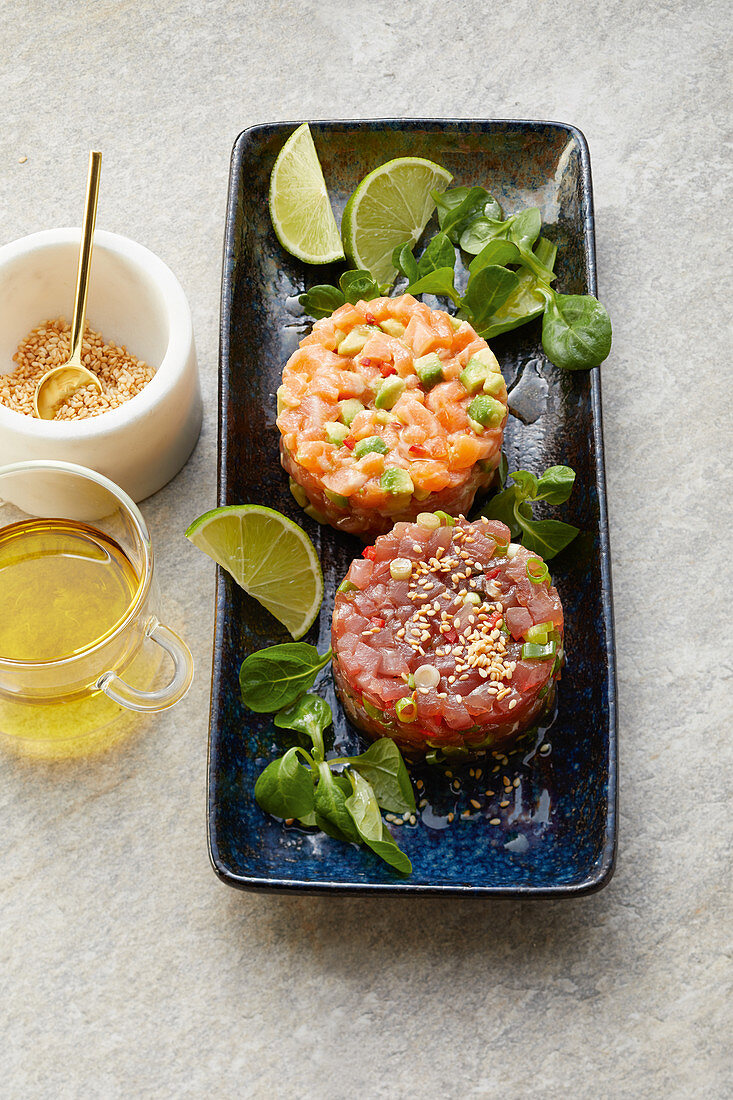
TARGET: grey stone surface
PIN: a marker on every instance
(126, 969)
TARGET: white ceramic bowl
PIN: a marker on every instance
(135, 300)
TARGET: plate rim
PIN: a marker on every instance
(602, 872)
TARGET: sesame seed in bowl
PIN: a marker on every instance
(47, 346)
(143, 427)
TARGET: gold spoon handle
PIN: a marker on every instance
(85, 255)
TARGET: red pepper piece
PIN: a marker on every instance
(369, 552)
(350, 442)
(419, 452)
(378, 622)
(387, 369)
(371, 319)
(494, 573)
(495, 618)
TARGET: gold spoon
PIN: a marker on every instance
(61, 382)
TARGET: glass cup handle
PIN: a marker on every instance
(134, 699)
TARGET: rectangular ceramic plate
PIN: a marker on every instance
(558, 834)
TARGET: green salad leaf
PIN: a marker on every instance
(546, 537)
(274, 677)
(364, 811)
(310, 715)
(487, 291)
(513, 507)
(285, 787)
(320, 301)
(332, 815)
(382, 766)
(460, 206)
(405, 262)
(341, 804)
(439, 282)
(359, 286)
(576, 331)
(496, 251)
(439, 253)
(556, 484)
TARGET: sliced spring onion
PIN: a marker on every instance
(537, 570)
(406, 709)
(445, 519)
(347, 586)
(428, 520)
(427, 676)
(533, 652)
(372, 711)
(539, 633)
(400, 569)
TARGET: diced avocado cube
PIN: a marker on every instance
(539, 632)
(533, 652)
(396, 480)
(478, 428)
(429, 370)
(473, 376)
(421, 494)
(392, 328)
(456, 322)
(487, 411)
(299, 493)
(316, 515)
(336, 433)
(348, 409)
(382, 416)
(487, 357)
(355, 340)
(374, 444)
(337, 498)
(495, 386)
(281, 406)
(389, 392)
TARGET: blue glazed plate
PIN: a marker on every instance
(556, 834)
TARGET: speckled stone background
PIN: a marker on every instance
(126, 968)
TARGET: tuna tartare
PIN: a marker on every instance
(387, 409)
(447, 635)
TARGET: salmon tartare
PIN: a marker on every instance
(446, 635)
(388, 409)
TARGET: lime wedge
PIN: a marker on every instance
(269, 556)
(391, 205)
(299, 206)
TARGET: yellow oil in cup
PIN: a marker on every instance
(63, 586)
(80, 643)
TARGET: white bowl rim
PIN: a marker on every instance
(180, 341)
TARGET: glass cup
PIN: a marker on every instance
(76, 699)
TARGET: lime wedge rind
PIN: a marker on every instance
(391, 205)
(300, 209)
(269, 556)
